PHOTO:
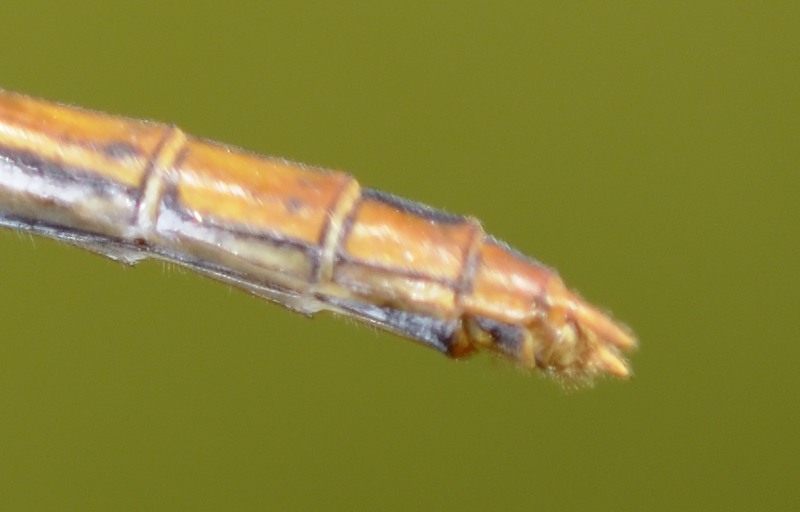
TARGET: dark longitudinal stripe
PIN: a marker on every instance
(434, 332)
(34, 164)
(417, 209)
(171, 202)
(120, 150)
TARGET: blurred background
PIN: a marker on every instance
(650, 153)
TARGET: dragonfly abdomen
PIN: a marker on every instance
(308, 238)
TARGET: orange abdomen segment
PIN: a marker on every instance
(307, 238)
(110, 148)
(257, 214)
(507, 286)
(404, 254)
(73, 167)
(265, 196)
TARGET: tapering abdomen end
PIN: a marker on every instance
(577, 341)
(564, 344)
(521, 309)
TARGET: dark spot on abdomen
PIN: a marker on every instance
(293, 205)
(120, 150)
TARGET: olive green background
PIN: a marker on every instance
(648, 153)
